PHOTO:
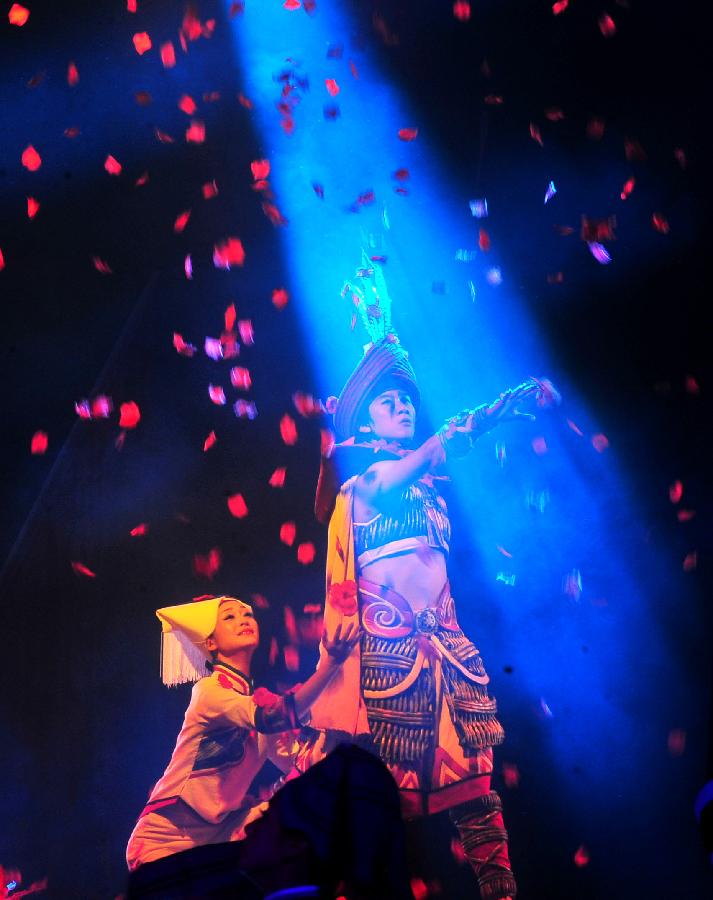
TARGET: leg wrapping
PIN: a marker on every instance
(485, 843)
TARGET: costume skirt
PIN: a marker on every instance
(431, 718)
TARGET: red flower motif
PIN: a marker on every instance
(343, 596)
(263, 697)
(225, 682)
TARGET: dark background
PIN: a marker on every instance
(86, 724)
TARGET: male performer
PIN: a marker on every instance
(228, 732)
(416, 687)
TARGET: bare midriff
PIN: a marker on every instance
(418, 574)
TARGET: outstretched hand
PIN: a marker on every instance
(505, 408)
(342, 640)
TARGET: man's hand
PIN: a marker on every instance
(342, 641)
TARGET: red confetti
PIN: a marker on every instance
(209, 441)
(633, 150)
(101, 407)
(142, 42)
(675, 492)
(280, 298)
(307, 406)
(660, 224)
(168, 55)
(288, 430)
(574, 428)
(559, 7)
(272, 656)
(131, 6)
(511, 775)
(494, 99)
(18, 15)
(600, 442)
(461, 10)
(539, 445)
(210, 189)
(2, 261)
(606, 25)
(503, 551)
(535, 134)
(290, 624)
(236, 8)
(181, 221)
(245, 330)
(237, 506)
(260, 169)
(692, 386)
(288, 531)
(195, 133)
(305, 553)
(38, 445)
(595, 128)
(245, 101)
(31, 159)
(139, 530)
(292, 5)
(690, 562)
(676, 742)
(101, 266)
(207, 565)
(274, 214)
(555, 278)
(81, 569)
(240, 378)
(628, 188)
(680, 156)
(228, 253)
(277, 479)
(595, 230)
(129, 415)
(72, 74)
(685, 515)
(113, 166)
(332, 86)
(554, 114)
(419, 889)
(216, 394)
(581, 857)
(229, 317)
(187, 104)
(483, 240)
(188, 267)
(32, 207)
(292, 658)
(71, 132)
(408, 134)
(353, 69)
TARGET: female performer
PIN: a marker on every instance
(415, 688)
(229, 731)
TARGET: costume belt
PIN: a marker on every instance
(386, 614)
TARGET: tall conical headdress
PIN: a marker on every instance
(184, 631)
(384, 361)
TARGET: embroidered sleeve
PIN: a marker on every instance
(274, 713)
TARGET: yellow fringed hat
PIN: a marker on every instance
(184, 631)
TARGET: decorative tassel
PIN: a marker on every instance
(181, 659)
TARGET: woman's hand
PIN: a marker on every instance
(342, 641)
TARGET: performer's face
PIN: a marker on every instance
(235, 630)
(393, 415)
